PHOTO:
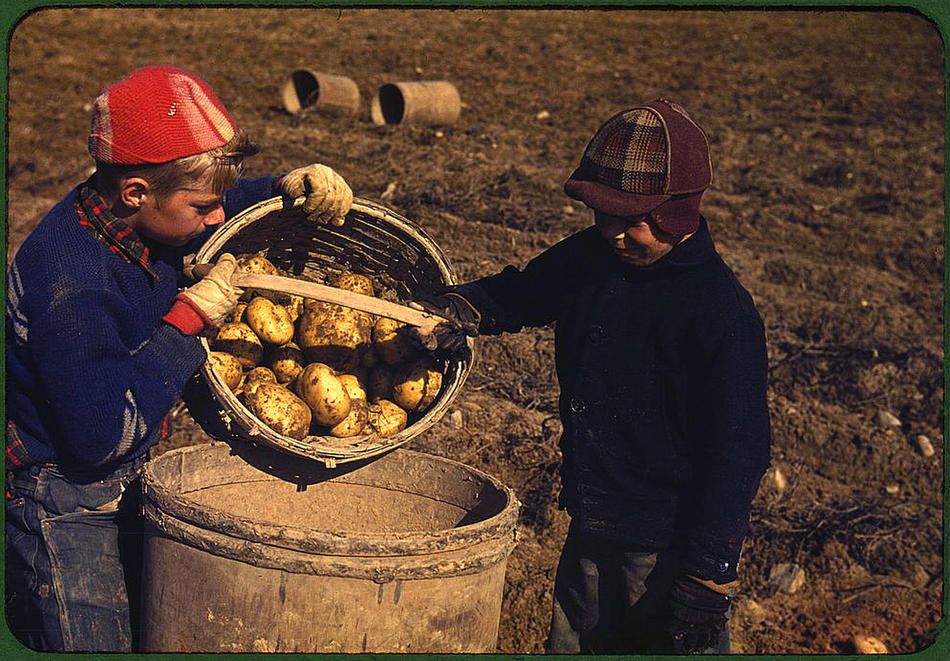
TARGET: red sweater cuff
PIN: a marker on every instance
(187, 317)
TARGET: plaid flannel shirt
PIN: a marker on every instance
(105, 226)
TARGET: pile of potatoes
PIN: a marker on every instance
(304, 367)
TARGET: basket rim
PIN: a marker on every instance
(241, 422)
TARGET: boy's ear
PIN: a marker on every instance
(133, 191)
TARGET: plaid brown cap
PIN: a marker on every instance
(650, 158)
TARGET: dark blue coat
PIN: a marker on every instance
(663, 375)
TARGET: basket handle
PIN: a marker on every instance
(424, 320)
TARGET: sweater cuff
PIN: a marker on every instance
(713, 562)
(187, 317)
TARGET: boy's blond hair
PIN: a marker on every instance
(222, 164)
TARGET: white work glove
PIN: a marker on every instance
(214, 294)
(328, 196)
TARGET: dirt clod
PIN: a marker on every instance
(787, 577)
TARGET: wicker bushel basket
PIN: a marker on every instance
(373, 241)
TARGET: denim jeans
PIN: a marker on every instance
(72, 544)
(614, 599)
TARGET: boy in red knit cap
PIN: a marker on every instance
(661, 361)
(101, 341)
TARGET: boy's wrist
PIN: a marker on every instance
(187, 317)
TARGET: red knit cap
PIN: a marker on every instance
(157, 114)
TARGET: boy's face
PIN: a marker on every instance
(180, 216)
(635, 240)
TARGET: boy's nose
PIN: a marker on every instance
(613, 231)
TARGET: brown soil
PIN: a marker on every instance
(827, 131)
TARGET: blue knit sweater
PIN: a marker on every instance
(92, 369)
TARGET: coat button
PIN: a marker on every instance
(722, 566)
(578, 405)
(597, 333)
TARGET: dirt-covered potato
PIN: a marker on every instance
(353, 385)
(237, 339)
(269, 321)
(256, 377)
(228, 368)
(379, 383)
(391, 342)
(386, 418)
(237, 314)
(417, 384)
(280, 409)
(286, 361)
(354, 422)
(333, 335)
(293, 304)
(320, 388)
(353, 282)
(261, 374)
(255, 264)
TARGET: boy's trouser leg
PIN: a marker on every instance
(65, 583)
(613, 599)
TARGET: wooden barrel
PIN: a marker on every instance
(250, 550)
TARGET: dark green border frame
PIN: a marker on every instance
(936, 11)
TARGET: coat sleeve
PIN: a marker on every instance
(107, 399)
(732, 436)
(534, 295)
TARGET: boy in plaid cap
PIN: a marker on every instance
(101, 341)
(661, 361)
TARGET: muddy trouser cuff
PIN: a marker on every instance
(612, 598)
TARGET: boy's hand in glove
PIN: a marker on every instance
(461, 322)
(328, 196)
(213, 297)
(698, 614)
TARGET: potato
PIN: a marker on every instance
(355, 421)
(237, 339)
(228, 368)
(280, 409)
(391, 342)
(354, 388)
(864, 644)
(260, 374)
(237, 314)
(417, 384)
(293, 304)
(256, 377)
(386, 418)
(256, 264)
(286, 361)
(320, 388)
(354, 282)
(379, 383)
(270, 321)
(333, 335)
